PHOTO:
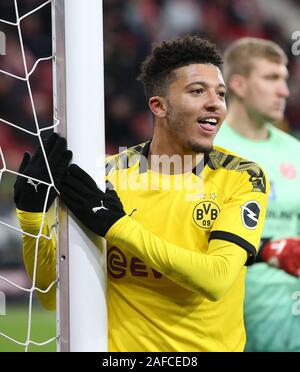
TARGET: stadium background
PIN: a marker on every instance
(130, 27)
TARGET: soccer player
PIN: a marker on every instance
(179, 235)
(256, 73)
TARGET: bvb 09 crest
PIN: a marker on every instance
(205, 213)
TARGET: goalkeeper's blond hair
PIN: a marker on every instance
(240, 56)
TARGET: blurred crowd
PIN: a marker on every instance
(130, 28)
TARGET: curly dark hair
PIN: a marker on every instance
(157, 71)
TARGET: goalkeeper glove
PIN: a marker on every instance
(96, 209)
(30, 195)
(284, 254)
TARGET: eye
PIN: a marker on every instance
(222, 94)
(198, 91)
(272, 77)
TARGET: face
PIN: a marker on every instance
(266, 90)
(195, 107)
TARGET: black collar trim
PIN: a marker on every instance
(143, 165)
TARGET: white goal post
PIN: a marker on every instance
(79, 107)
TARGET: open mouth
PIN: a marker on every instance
(208, 124)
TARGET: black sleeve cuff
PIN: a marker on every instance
(232, 238)
(261, 248)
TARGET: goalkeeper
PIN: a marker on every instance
(177, 256)
(256, 73)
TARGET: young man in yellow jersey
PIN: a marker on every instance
(179, 234)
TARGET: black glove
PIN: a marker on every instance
(96, 209)
(29, 195)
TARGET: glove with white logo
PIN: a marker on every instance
(96, 209)
(284, 254)
(30, 195)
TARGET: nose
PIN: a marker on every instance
(213, 102)
(283, 90)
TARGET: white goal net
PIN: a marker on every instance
(26, 64)
(20, 67)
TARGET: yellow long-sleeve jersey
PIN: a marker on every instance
(176, 266)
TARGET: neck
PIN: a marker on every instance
(246, 124)
(168, 156)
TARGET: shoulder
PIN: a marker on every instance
(125, 159)
(284, 138)
(223, 158)
(232, 164)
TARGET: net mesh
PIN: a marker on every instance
(36, 131)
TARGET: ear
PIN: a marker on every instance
(158, 106)
(238, 85)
